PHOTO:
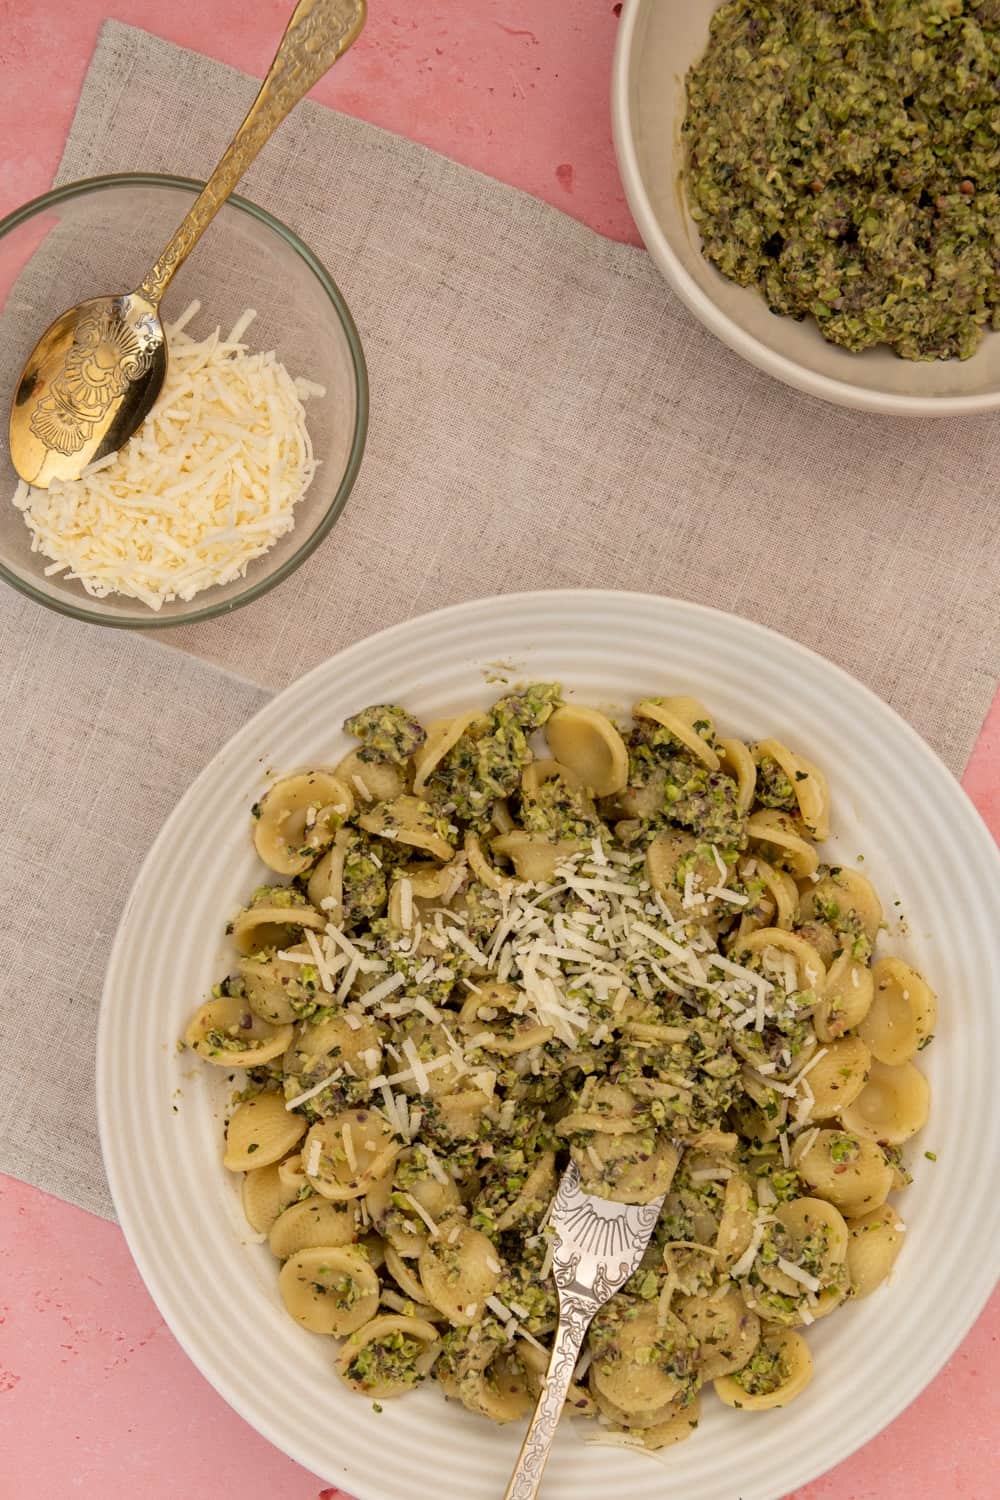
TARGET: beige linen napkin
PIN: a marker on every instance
(544, 413)
(100, 734)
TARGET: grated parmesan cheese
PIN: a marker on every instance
(208, 483)
(796, 1273)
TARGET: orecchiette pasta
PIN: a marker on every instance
(901, 1017)
(875, 1241)
(847, 1170)
(625, 951)
(892, 1106)
(847, 997)
(311, 1222)
(777, 1373)
(264, 1195)
(837, 1076)
(261, 1132)
(345, 1155)
(298, 818)
(589, 744)
(330, 1289)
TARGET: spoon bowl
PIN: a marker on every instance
(96, 371)
(90, 381)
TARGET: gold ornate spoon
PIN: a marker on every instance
(96, 371)
(598, 1245)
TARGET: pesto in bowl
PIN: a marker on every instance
(844, 159)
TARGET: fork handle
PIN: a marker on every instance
(318, 33)
(575, 1314)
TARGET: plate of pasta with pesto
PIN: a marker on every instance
(572, 877)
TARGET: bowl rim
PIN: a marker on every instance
(463, 622)
(150, 620)
(773, 363)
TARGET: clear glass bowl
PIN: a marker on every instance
(101, 235)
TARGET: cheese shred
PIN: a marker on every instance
(208, 483)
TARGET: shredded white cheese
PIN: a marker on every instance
(317, 1088)
(796, 1273)
(208, 483)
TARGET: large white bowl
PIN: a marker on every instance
(923, 845)
(658, 40)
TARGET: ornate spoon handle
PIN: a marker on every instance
(575, 1314)
(318, 33)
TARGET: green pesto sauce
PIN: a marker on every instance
(773, 787)
(485, 764)
(386, 732)
(844, 159)
(765, 1373)
(390, 1360)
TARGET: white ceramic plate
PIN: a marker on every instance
(658, 41)
(924, 845)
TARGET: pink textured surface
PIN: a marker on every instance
(95, 1396)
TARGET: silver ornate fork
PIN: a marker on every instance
(598, 1246)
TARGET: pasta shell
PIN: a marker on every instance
(329, 1289)
(539, 1186)
(670, 852)
(416, 883)
(782, 889)
(674, 1427)
(326, 882)
(371, 780)
(847, 996)
(810, 970)
(407, 820)
(782, 843)
(260, 1132)
(626, 1376)
(412, 1210)
(345, 1155)
(902, 1015)
(311, 1223)
(635, 1168)
(847, 1170)
(490, 1381)
(480, 866)
(838, 1077)
(298, 818)
(737, 1221)
(442, 736)
(535, 857)
(264, 1195)
(849, 892)
(726, 1330)
(679, 716)
(736, 760)
(892, 1106)
(320, 1049)
(271, 984)
(875, 1242)
(227, 1033)
(812, 792)
(589, 744)
(405, 1276)
(793, 1369)
(411, 1344)
(263, 927)
(461, 1113)
(458, 1248)
(669, 1423)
